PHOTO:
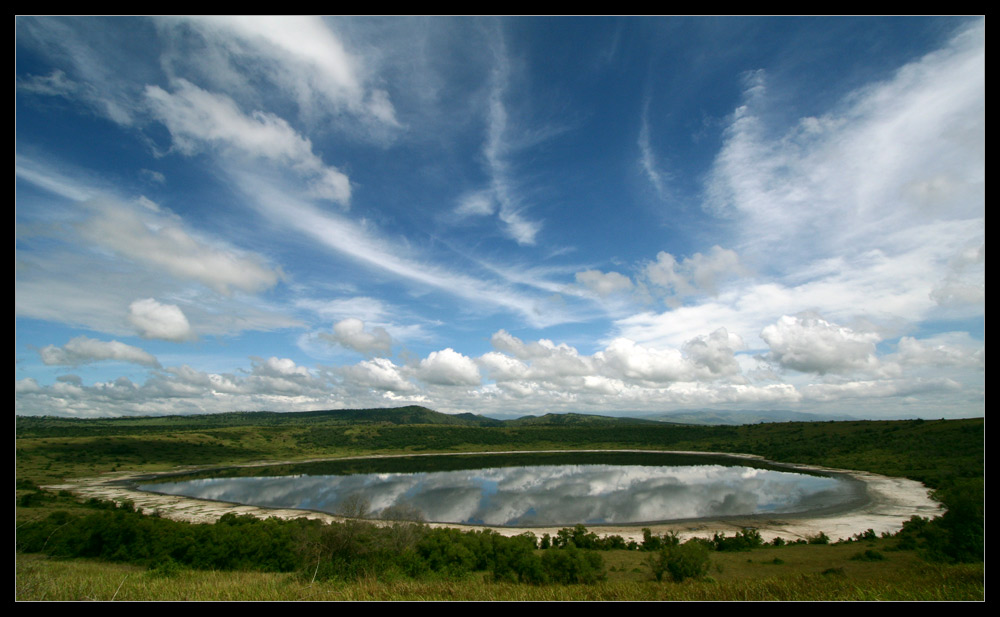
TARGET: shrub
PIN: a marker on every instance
(820, 538)
(572, 565)
(681, 561)
(744, 540)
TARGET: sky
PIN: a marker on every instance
(500, 215)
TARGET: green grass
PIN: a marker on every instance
(40, 578)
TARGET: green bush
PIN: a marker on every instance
(681, 561)
(820, 538)
(572, 565)
(744, 540)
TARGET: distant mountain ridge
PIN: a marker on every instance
(576, 419)
(735, 418)
(416, 414)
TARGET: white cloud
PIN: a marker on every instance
(54, 84)
(623, 365)
(366, 308)
(84, 350)
(351, 333)
(877, 388)
(448, 368)
(151, 251)
(282, 376)
(153, 176)
(715, 352)
(156, 238)
(502, 367)
(44, 177)
(302, 56)
(379, 374)
(889, 287)
(697, 274)
(964, 281)
(162, 321)
(810, 344)
(358, 242)
(637, 363)
(547, 360)
(210, 382)
(279, 367)
(647, 158)
(604, 284)
(93, 63)
(502, 194)
(946, 349)
(196, 117)
(28, 385)
(479, 203)
(903, 152)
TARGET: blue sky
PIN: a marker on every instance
(502, 216)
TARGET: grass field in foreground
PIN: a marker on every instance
(790, 573)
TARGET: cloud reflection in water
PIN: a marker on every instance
(539, 495)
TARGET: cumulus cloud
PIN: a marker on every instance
(715, 352)
(697, 274)
(162, 321)
(448, 368)
(199, 381)
(502, 367)
(637, 363)
(604, 284)
(622, 366)
(351, 333)
(195, 118)
(28, 385)
(279, 367)
(543, 348)
(84, 350)
(547, 360)
(282, 375)
(379, 374)
(810, 344)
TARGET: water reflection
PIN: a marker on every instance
(542, 495)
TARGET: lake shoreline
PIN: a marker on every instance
(890, 502)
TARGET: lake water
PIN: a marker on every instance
(505, 493)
